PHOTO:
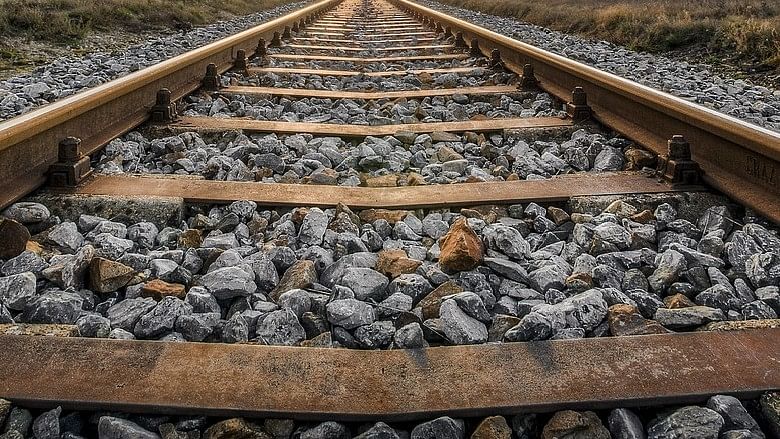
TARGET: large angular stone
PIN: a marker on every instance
(461, 248)
(440, 428)
(281, 328)
(162, 318)
(107, 276)
(125, 314)
(13, 238)
(350, 313)
(300, 275)
(229, 282)
(431, 303)
(459, 327)
(394, 263)
(53, 307)
(689, 423)
(17, 290)
(365, 283)
(117, 428)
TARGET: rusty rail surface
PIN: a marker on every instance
(740, 159)
(343, 384)
(29, 143)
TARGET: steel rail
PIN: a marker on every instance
(740, 159)
(29, 143)
(347, 384)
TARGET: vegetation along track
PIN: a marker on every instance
(427, 184)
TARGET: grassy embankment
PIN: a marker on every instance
(68, 22)
(746, 32)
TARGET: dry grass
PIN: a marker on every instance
(68, 21)
(743, 30)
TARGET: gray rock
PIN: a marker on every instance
(197, 327)
(471, 304)
(394, 305)
(313, 227)
(350, 313)
(326, 430)
(296, 300)
(202, 301)
(410, 337)
(734, 414)
(229, 282)
(380, 430)
(66, 236)
(120, 334)
(117, 428)
(47, 425)
(236, 330)
(625, 424)
(669, 266)
(459, 327)
(162, 318)
(681, 318)
(281, 328)
(414, 286)
(94, 325)
(19, 421)
(26, 261)
(440, 428)
(508, 269)
(17, 290)
(376, 335)
(365, 283)
(687, 423)
(27, 212)
(510, 241)
(54, 306)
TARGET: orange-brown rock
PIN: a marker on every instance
(394, 263)
(157, 289)
(678, 301)
(391, 216)
(643, 217)
(13, 238)
(494, 427)
(431, 303)
(415, 179)
(637, 158)
(190, 238)
(301, 274)
(558, 215)
(299, 214)
(389, 180)
(626, 320)
(106, 276)
(461, 248)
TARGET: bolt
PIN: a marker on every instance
(69, 149)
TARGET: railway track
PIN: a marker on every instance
(487, 228)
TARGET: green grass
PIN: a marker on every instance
(746, 31)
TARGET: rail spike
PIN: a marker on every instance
(163, 111)
(578, 109)
(72, 166)
(211, 82)
(677, 167)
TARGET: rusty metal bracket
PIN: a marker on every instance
(164, 110)
(261, 51)
(447, 32)
(495, 59)
(677, 166)
(276, 41)
(295, 27)
(211, 82)
(240, 63)
(72, 167)
(287, 35)
(475, 50)
(578, 109)
(528, 81)
(459, 41)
